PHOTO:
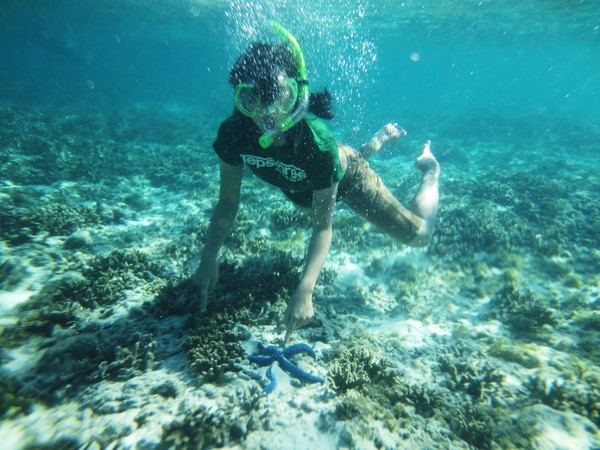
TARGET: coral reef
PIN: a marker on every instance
(356, 367)
(101, 284)
(19, 224)
(520, 310)
(251, 295)
(210, 426)
(284, 216)
(57, 146)
(370, 388)
(13, 401)
(11, 272)
(466, 229)
(108, 276)
(475, 424)
(60, 220)
(214, 347)
(90, 356)
(92, 328)
(470, 373)
(580, 395)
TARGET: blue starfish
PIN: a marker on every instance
(271, 354)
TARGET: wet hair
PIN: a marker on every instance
(261, 63)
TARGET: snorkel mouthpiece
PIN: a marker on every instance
(267, 139)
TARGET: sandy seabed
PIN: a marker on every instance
(487, 339)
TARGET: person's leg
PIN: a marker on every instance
(362, 190)
(388, 134)
(425, 202)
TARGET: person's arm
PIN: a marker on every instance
(300, 308)
(221, 223)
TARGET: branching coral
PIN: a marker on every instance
(60, 220)
(369, 388)
(108, 276)
(214, 348)
(248, 295)
(284, 217)
(520, 310)
(212, 426)
(253, 293)
(464, 230)
(470, 374)
(475, 424)
(357, 367)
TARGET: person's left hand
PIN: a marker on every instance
(299, 311)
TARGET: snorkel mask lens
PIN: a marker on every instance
(288, 95)
(249, 98)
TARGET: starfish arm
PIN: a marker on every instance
(261, 360)
(296, 372)
(298, 348)
(270, 387)
(270, 350)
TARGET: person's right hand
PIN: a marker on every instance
(206, 278)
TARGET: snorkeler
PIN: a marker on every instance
(274, 130)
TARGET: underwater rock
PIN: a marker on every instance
(166, 390)
(518, 353)
(78, 239)
(137, 201)
(105, 212)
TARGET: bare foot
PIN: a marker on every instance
(426, 162)
(388, 134)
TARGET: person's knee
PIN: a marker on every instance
(423, 236)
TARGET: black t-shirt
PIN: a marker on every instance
(307, 161)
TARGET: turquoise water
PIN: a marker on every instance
(529, 58)
(486, 339)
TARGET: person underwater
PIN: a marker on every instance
(276, 129)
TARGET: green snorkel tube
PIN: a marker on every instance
(267, 139)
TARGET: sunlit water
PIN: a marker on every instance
(382, 60)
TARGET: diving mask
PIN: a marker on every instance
(250, 98)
